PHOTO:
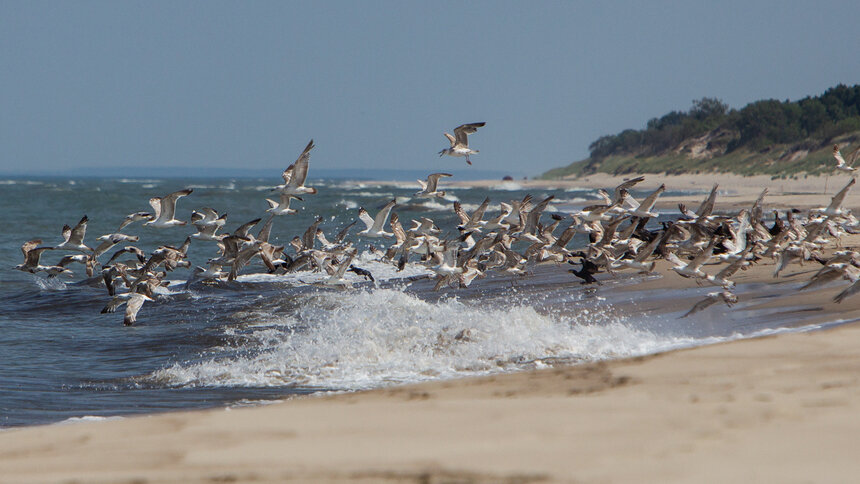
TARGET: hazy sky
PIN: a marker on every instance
(218, 84)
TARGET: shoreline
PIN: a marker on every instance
(735, 191)
(783, 406)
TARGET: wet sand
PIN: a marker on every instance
(776, 409)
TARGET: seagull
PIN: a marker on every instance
(375, 226)
(134, 217)
(74, 237)
(165, 210)
(111, 240)
(460, 141)
(843, 165)
(694, 267)
(206, 217)
(32, 254)
(296, 174)
(835, 207)
(337, 278)
(282, 207)
(428, 188)
(134, 301)
(474, 221)
(643, 209)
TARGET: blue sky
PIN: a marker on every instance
(224, 84)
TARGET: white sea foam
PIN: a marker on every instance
(508, 186)
(436, 206)
(363, 339)
(373, 194)
(87, 419)
(20, 182)
(349, 204)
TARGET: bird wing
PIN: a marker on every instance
(730, 269)
(132, 308)
(341, 269)
(28, 246)
(433, 181)
(343, 233)
(287, 175)
(168, 203)
(266, 230)
(837, 199)
(365, 217)
(77, 234)
(707, 206)
(155, 203)
(458, 209)
(397, 228)
(464, 130)
(382, 216)
(651, 199)
(478, 214)
(242, 231)
(852, 157)
(627, 185)
(300, 167)
(311, 233)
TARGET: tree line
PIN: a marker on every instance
(811, 120)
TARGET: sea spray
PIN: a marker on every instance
(368, 338)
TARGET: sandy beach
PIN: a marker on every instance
(783, 408)
(735, 191)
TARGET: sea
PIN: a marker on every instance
(266, 338)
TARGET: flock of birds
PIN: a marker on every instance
(619, 238)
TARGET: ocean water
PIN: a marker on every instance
(266, 338)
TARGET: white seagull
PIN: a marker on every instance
(841, 164)
(428, 188)
(73, 238)
(165, 210)
(375, 226)
(296, 174)
(133, 301)
(460, 141)
(282, 207)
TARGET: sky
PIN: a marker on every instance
(245, 85)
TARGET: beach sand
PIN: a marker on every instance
(777, 409)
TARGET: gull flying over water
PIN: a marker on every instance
(460, 141)
(133, 302)
(296, 174)
(376, 226)
(428, 188)
(165, 210)
(73, 238)
(32, 253)
(134, 217)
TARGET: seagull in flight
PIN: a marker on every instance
(428, 188)
(460, 141)
(74, 237)
(165, 210)
(841, 164)
(296, 174)
(375, 226)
